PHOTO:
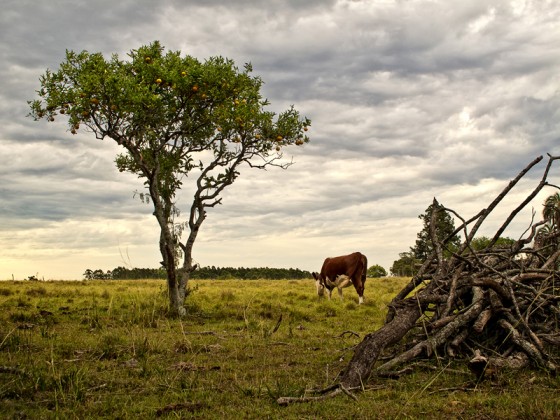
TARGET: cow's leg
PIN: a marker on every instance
(344, 281)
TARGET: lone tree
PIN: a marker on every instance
(177, 119)
(376, 271)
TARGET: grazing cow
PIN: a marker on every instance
(340, 272)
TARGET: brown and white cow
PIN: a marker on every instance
(341, 272)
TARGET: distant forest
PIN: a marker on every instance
(217, 273)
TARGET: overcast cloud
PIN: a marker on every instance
(409, 100)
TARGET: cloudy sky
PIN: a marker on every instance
(409, 100)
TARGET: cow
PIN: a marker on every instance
(341, 272)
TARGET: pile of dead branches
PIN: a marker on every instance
(493, 308)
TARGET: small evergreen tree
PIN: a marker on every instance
(445, 226)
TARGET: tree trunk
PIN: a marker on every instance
(359, 369)
(169, 262)
(176, 298)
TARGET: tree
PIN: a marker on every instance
(406, 266)
(547, 236)
(178, 119)
(551, 209)
(445, 228)
(483, 242)
(376, 271)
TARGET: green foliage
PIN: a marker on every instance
(123, 273)
(250, 273)
(409, 262)
(483, 242)
(178, 119)
(97, 275)
(444, 229)
(376, 271)
(406, 266)
(551, 210)
(547, 236)
(253, 273)
(164, 107)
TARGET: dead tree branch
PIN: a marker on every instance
(493, 308)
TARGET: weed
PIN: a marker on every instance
(350, 306)
(47, 333)
(111, 346)
(93, 320)
(266, 310)
(37, 291)
(299, 315)
(11, 341)
(22, 303)
(227, 296)
(327, 310)
(23, 317)
(72, 384)
(183, 347)
(283, 388)
(142, 348)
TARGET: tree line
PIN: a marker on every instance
(211, 272)
(215, 273)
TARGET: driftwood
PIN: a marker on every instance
(493, 308)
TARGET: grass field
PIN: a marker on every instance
(107, 349)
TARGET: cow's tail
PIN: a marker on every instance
(364, 268)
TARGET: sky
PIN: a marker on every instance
(409, 100)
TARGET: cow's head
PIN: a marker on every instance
(320, 285)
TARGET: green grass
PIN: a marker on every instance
(107, 349)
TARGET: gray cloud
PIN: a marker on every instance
(409, 100)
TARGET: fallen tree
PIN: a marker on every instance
(493, 308)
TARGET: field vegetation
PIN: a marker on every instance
(109, 349)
